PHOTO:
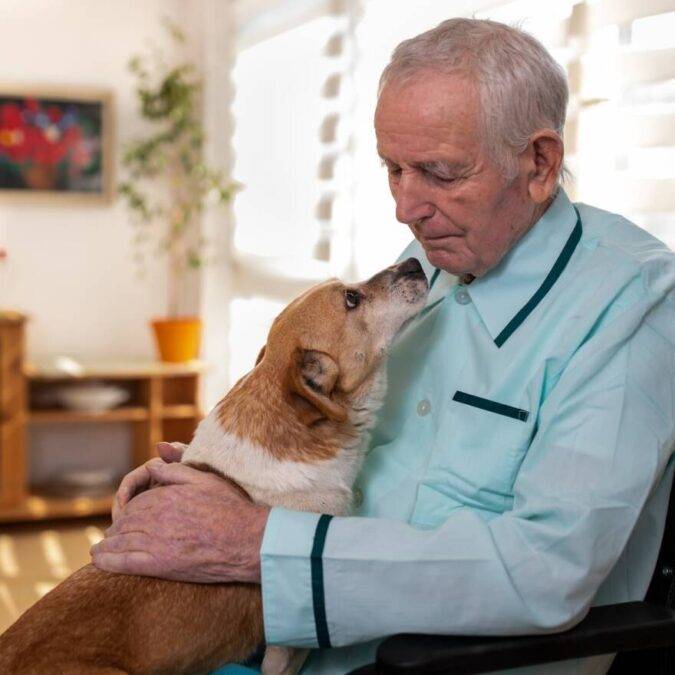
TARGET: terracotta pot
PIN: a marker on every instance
(179, 339)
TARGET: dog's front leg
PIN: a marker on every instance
(283, 660)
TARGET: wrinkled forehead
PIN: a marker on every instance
(423, 119)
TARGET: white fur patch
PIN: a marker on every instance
(322, 485)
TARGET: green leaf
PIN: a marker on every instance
(167, 182)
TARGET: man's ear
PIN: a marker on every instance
(545, 155)
(312, 378)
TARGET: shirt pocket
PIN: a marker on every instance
(480, 447)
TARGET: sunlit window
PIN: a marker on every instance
(620, 136)
(278, 112)
(250, 321)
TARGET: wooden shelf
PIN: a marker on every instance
(64, 368)
(162, 404)
(59, 416)
(180, 411)
(41, 507)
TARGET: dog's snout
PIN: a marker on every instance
(410, 266)
(408, 272)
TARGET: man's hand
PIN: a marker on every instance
(141, 479)
(193, 527)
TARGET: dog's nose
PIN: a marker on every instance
(410, 266)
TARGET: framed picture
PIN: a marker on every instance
(56, 144)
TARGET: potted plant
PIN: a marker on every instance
(168, 185)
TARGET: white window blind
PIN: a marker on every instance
(316, 202)
(250, 319)
(626, 118)
(292, 103)
(620, 132)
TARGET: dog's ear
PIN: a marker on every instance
(261, 353)
(312, 378)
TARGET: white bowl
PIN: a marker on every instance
(81, 483)
(91, 397)
(88, 477)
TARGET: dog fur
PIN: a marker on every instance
(290, 433)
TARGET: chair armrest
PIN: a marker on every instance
(605, 630)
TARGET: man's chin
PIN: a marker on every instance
(446, 261)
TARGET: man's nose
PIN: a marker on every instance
(412, 198)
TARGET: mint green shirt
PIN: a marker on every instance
(520, 468)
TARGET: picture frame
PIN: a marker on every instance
(56, 144)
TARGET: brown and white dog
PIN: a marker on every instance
(290, 433)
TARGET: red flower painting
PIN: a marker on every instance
(50, 145)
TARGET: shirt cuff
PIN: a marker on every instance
(288, 580)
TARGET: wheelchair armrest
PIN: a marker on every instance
(605, 630)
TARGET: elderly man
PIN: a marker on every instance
(520, 469)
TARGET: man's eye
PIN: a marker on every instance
(442, 179)
(352, 299)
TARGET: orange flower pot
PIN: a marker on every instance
(178, 340)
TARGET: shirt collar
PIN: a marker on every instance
(507, 294)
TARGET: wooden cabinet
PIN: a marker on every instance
(163, 404)
(12, 411)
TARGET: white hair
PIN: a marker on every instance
(520, 86)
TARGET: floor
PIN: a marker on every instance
(36, 557)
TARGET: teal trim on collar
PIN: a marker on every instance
(436, 295)
(318, 594)
(501, 294)
(546, 286)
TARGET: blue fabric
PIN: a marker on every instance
(234, 669)
(478, 522)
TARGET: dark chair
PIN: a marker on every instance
(641, 633)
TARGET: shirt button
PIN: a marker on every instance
(358, 498)
(462, 296)
(423, 407)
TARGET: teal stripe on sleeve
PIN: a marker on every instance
(318, 594)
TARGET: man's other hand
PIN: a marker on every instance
(140, 478)
(193, 526)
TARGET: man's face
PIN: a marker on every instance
(458, 204)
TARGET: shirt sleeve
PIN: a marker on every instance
(605, 436)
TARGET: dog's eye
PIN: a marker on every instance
(352, 299)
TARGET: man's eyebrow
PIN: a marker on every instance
(440, 166)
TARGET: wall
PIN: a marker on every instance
(70, 267)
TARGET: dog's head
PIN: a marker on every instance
(330, 341)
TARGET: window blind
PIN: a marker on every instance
(315, 199)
